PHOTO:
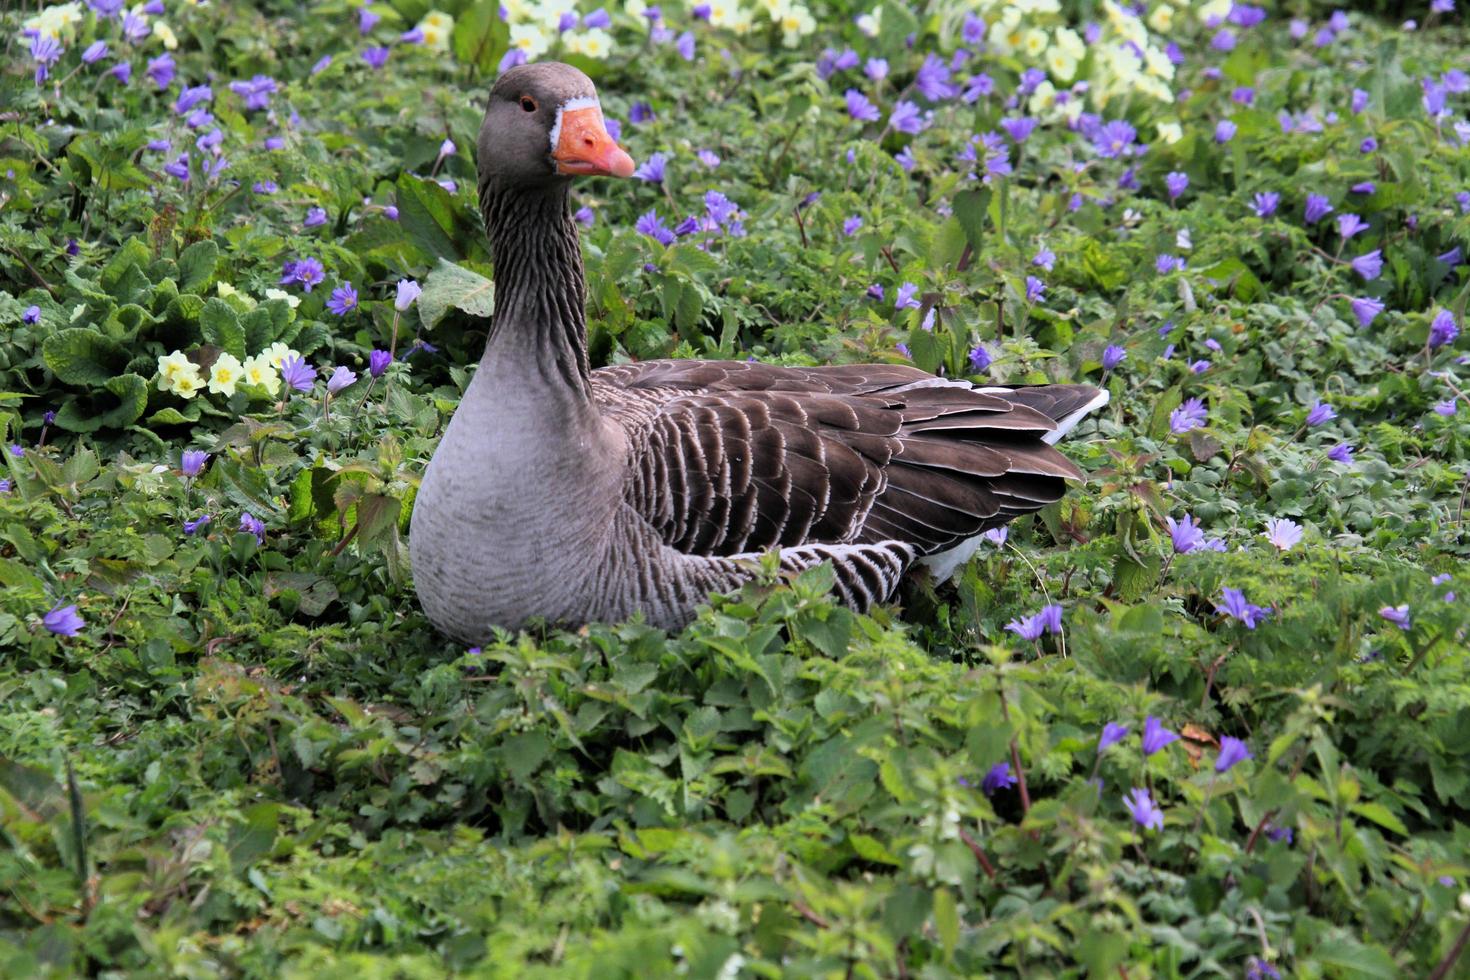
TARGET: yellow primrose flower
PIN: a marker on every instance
(1062, 65)
(165, 34)
(174, 364)
(1169, 132)
(1070, 42)
(796, 23)
(439, 20)
(869, 24)
(1034, 43)
(1162, 18)
(530, 38)
(276, 353)
(257, 370)
(595, 43)
(291, 301)
(518, 11)
(224, 374)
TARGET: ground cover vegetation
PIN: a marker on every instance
(1208, 716)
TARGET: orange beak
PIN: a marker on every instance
(584, 147)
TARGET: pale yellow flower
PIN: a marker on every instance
(258, 370)
(165, 34)
(1169, 131)
(291, 301)
(1034, 42)
(796, 23)
(174, 364)
(276, 353)
(530, 38)
(595, 43)
(224, 374)
(1070, 42)
(1161, 19)
(1063, 66)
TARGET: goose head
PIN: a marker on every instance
(542, 127)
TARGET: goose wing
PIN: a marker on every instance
(733, 457)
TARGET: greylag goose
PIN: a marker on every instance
(568, 495)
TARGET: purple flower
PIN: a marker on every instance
(584, 216)
(1317, 208)
(95, 52)
(1368, 265)
(1167, 263)
(1243, 95)
(256, 92)
(709, 158)
(998, 778)
(1045, 258)
(979, 358)
(932, 79)
(378, 361)
(1155, 735)
(1224, 131)
(197, 524)
(178, 168)
(63, 620)
(875, 291)
(1141, 807)
(513, 57)
(653, 168)
(1114, 139)
(122, 71)
(1112, 356)
(308, 272)
(315, 217)
(1446, 408)
(378, 57)
(1359, 101)
(685, 46)
(1190, 415)
(649, 224)
(640, 113)
(161, 70)
(876, 69)
(860, 107)
(1175, 183)
(265, 187)
(1451, 258)
(408, 290)
(600, 18)
(686, 227)
(192, 462)
(1279, 834)
(390, 211)
(322, 64)
(298, 374)
(343, 299)
(45, 51)
(1112, 734)
(904, 298)
(905, 159)
(1398, 615)
(903, 349)
(1368, 145)
(250, 524)
(1283, 533)
(341, 378)
(1366, 310)
(1341, 453)
(1443, 329)
(972, 31)
(31, 315)
(366, 20)
(1035, 289)
(1235, 606)
(1027, 628)
(274, 143)
(1232, 751)
(1018, 128)
(1255, 967)
(905, 118)
(1050, 618)
(1185, 534)
(1349, 225)
(1319, 413)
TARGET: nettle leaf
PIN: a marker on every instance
(426, 215)
(78, 356)
(219, 325)
(451, 285)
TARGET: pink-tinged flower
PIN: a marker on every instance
(1283, 533)
(408, 291)
(1190, 415)
(1366, 310)
(1142, 808)
(1398, 615)
(298, 374)
(1232, 752)
(63, 620)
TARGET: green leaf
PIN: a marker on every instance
(426, 215)
(453, 286)
(1381, 815)
(133, 254)
(523, 753)
(946, 921)
(219, 325)
(196, 266)
(971, 209)
(78, 356)
(480, 37)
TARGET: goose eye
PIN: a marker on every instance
(528, 103)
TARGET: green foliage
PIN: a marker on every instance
(256, 758)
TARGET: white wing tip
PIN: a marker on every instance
(1069, 422)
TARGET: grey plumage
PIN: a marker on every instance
(572, 495)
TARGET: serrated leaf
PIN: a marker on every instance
(219, 325)
(196, 266)
(426, 215)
